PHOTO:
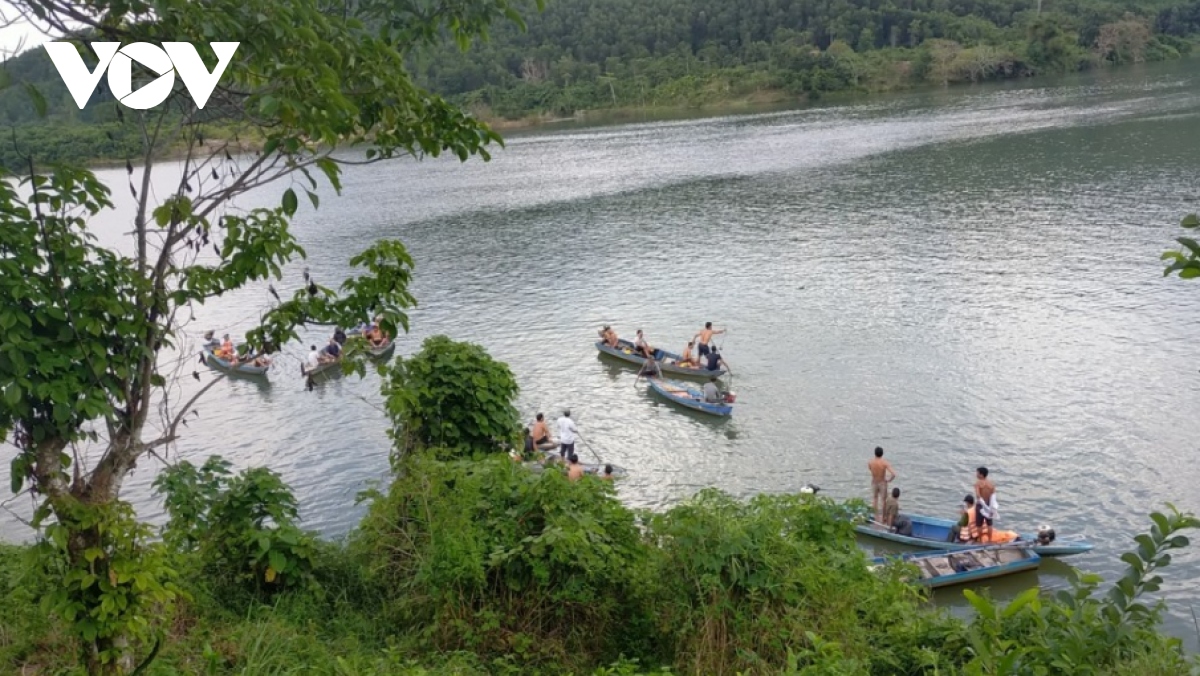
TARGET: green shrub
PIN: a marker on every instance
(241, 528)
(451, 396)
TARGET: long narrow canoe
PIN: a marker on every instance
(212, 359)
(933, 533)
(679, 393)
(943, 569)
(626, 352)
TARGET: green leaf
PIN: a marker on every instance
(1179, 541)
(312, 197)
(12, 394)
(289, 202)
(278, 560)
(1190, 244)
(1191, 221)
(1189, 273)
(984, 607)
(1025, 598)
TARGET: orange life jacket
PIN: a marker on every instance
(973, 534)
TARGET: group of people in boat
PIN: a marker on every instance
(976, 522)
(538, 442)
(224, 349)
(332, 352)
(700, 353)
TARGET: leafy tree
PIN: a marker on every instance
(81, 371)
(1186, 262)
(451, 396)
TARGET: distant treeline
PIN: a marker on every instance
(591, 54)
(586, 54)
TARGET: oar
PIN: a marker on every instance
(589, 447)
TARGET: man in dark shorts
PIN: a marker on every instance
(985, 503)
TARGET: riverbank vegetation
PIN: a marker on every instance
(626, 55)
(470, 563)
(581, 55)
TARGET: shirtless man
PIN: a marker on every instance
(686, 358)
(541, 431)
(880, 469)
(704, 336)
(575, 472)
(609, 337)
(985, 503)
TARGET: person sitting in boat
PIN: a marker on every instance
(642, 346)
(609, 337)
(331, 352)
(608, 473)
(970, 533)
(339, 335)
(226, 350)
(685, 360)
(541, 432)
(712, 394)
(891, 508)
(210, 341)
(713, 359)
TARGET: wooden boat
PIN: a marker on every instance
(213, 360)
(329, 368)
(679, 393)
(626, 352)
(943, 569)
(932, 533)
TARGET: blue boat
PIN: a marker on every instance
(625, 351)
(933, 533)
(682, 394)
(213, 360)
(943, 569)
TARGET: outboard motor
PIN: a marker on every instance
(1045, 535)
(809, 488)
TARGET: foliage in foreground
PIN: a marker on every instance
(452, 396)
(489, 568)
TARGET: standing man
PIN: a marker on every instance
(880, 471)
(704, 336)
(566, 435)
(986, 507)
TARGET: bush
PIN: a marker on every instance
(241, 528)
(451, 396)
(493, 558)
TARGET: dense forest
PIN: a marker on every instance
(584, 54)
(581, 55)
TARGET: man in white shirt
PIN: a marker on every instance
(314, 358)
(566, 435)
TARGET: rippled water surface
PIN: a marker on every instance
(964, 277)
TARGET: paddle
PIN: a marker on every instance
(589, 447)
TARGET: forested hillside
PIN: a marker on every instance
(583, 54)
(588, 54)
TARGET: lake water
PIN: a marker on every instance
(965, 277)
